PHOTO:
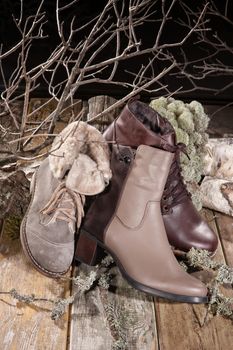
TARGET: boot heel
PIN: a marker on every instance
(87, 250)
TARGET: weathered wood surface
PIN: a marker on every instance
(7, 123)
(28, 327)
(180, 326)
(98, 104)
(124, 317)
(225, 226)
(95, 315)
(14, 193)
(101, 320)
(93, 320)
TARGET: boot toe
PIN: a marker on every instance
(49, 257)
(186, 229)
(195, 288)
(208, 239)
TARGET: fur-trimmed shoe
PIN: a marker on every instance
(78, 165)
(49, 225)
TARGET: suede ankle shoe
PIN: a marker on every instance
(48, 228)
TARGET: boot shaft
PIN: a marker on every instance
(138, 124)
(144, 184)
(130, 130)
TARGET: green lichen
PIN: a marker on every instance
(27, 299)
(60, 307)
(85, 281)
(120, 320)
(225, 274)
(200, 258)
(190, 123)
(222, 275)
(104, 280)
(185, 121)
(181, 136)
(201, 120)
(220, 304)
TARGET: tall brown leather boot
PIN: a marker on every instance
(140, 124)
(136, 237)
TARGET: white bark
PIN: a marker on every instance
(217, 194)
(218, 159)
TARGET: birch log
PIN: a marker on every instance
(217, 194)
(218, 158)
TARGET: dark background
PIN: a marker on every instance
(87, 9)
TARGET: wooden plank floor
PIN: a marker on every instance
(92, 323)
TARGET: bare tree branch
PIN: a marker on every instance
(112, 37)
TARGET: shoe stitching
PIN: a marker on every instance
(25, 242)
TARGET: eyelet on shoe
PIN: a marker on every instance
(164, 198)
(165, 208)
(127, 159)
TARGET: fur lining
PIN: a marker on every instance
(150, 118)
(81, 151)
(84, 177)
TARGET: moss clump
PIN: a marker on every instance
(190, 123)
(222, 275)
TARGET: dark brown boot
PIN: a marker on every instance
(139, 124)
(135, 235)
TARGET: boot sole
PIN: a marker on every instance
(148, 290)
(24, 242)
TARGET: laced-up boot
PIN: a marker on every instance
(135, 235)
(48, 228)
(139, 124)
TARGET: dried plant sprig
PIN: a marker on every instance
(201, 258)
(120, 320)
(60, 307)
(225, 275)
(27, 299)
(220, 304)
(101, 275)
(105, 280)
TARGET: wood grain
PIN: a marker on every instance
(98, 104)
(28, 327)
(225, 226)
(96, 316)
(180, 326)
(14, 194)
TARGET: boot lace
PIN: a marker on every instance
(175, 190)
(65, 205)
